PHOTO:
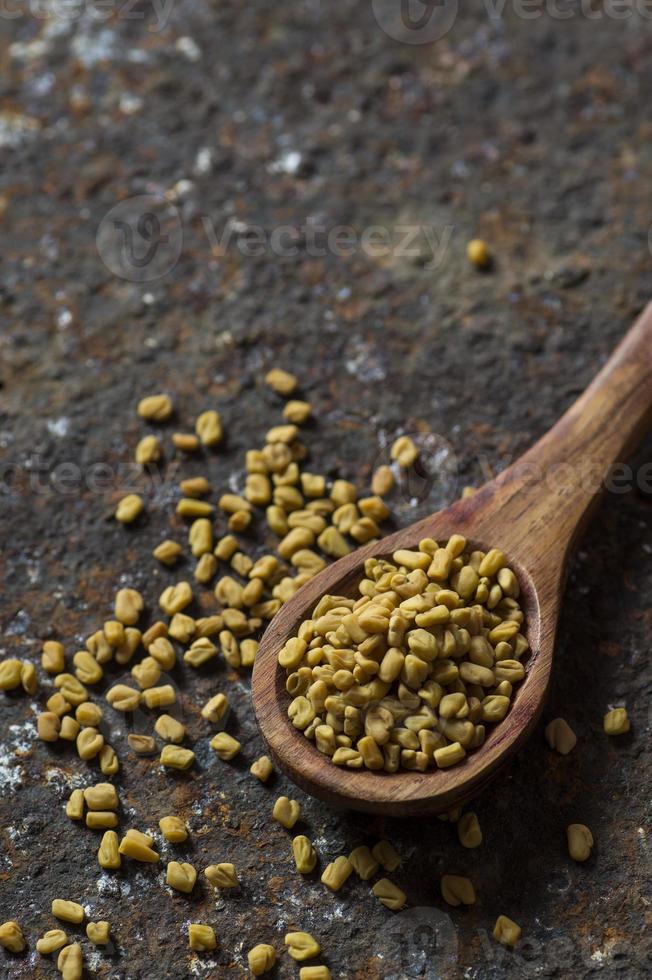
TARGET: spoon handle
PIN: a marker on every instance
(563, 475)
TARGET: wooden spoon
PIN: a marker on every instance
(534, 511)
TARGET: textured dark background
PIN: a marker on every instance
(534, 133)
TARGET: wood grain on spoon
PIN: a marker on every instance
(535, 512)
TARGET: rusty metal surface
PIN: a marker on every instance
(534, 133)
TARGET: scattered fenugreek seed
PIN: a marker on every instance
(616, 722)
(280, 381)
(286, 812)
(108, 854)
(173, 757)
(51, 941)
(560, 736)
(173, 829)
(11, 937)
(68, 911)
(181, 876)
(389, 894)
(225, 745)
(580, 841)
(468, 830)
(506, 931)
(129, 508)
(201, 937)
(222, 875)
(99, 932)
(70, 962)
(457, 890)
(262, 768)
(302, 946)
(261, 959)
(477, 253)
(337, 873)
(305, 856)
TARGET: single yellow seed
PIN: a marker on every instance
(297, 412)
(70, 962)
(169, 729)
(282, 382)
(48, 725)
(201, 937)
(457, 890)
(616, 722)
(68, 911)
(71, 688)
(404, 452)
(10, 671)
(129, 508)
(57, 704)
(136, 848)
(560, 736)
(175, 598)
(167, 552)
(580, 841)
(102, 796)
(163, 653)
(148, 450)
(262, 768)
(477, 253)
(222, 875)
(89, 743)
(506, 931)
(101, 819)
(109, 763)
(123, 698)
(286, 812)
(53, 657)
(305, 856)
(147, 673)
(364, 863)
(302, 946)
(315, 973)
(225, 745)
(173, 829)
(173, 757)
(261, 959)
(87, 668)
(142, 744)
(195, 486)
(181, 876)
(129, 605)
(108, 854)
(88, 715)
(11, 937)
(468, 830)
(386, 855)
(99, 932)
(50, 941)
(28, 678)
(337, 873)
(382, 481)
(449, 755)
(75, 805)
(215, 709)
(209, 428)
(159, 697)
(389, 894)
(187, 442)
(155, 408)
(190, 507)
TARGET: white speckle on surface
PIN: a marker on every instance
(203, 161)
(12, 775)
(64, 319)
(288, 163)
(181, 189)
(364, 361)
(129, 103)
(58, 427)
(91, 46)
(23, 736)
(188, 48)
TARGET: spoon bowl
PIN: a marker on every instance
(534, 511)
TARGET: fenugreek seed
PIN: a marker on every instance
(169, 729)
(382, 481)
(142, 744)
(468, 830)
(506, 931)
(191, 507)
(58, 705)
(147, 673)
(248, 651)
(280, 381)
(155, 408)
(11, 937)
(167, 552)
(69, 728)
(138, 850)
(173, 829)
(239, 521)
(225, 745)
(50, 941)
(187, 442)
(148, 450)
(129, 605)
(108, 854)
(164, 656)
(10, 671)
(181, 876)
(159, 697)
(364, 863)
(75, 805)
(580, 841)
(616, 722)
(87, 668)
(315, 973)
(404, 452)
(173, 757)
(297, 412)
(68, 911)
(48, 726)
(201, 937)
(99, 932)
(262, 768)
(560, 736)
(302, 946)
(132, 641)
(70, 963)
(348, 757)
(215, 708)
(109, 764)
(71, 688)
(89, 743)
(102, 796)
(222, 875)
(337, 873)
(129, 508)
(457, 890)
(477, 253)
(386, 855)
(305, 856)
(286, 812)
(389, 894)
(53, 657)
(123, 698)
(261, 959)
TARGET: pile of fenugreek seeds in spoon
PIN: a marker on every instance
(407, 675)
